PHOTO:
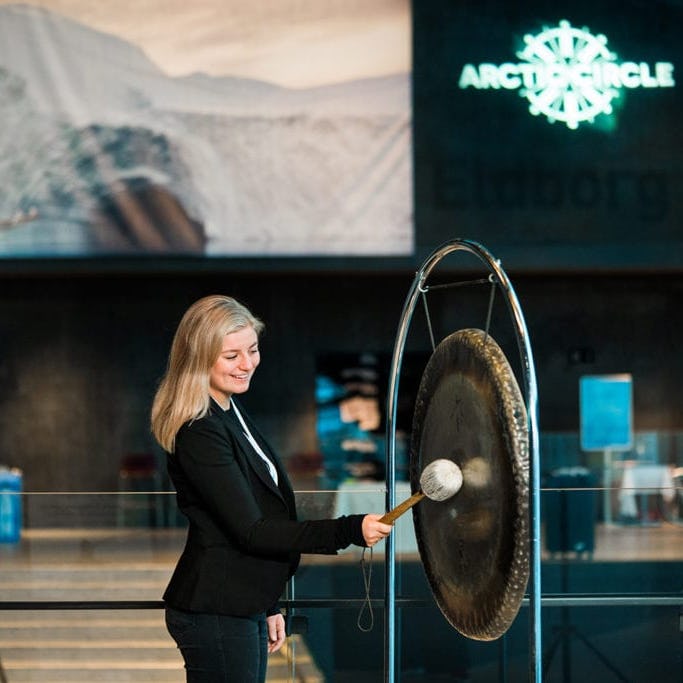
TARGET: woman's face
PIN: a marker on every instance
(232, 371)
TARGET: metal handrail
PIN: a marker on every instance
(550, 600)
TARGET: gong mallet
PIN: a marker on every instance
(439, 481)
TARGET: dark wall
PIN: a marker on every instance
(80, 356)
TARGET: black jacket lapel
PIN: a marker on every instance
(253, 459)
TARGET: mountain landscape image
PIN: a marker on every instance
(101, 152)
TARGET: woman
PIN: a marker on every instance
(244, 539)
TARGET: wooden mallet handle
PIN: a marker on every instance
(440, 480)
(391, 516)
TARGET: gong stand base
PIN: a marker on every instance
(563, 635)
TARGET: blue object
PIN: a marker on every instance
(10, 504)
(570, 510)
(606, 412)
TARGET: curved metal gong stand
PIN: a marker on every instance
(531, 397)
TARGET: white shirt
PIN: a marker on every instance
(254, 443)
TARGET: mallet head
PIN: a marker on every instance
(441, 479)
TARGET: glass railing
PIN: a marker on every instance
(81, 586)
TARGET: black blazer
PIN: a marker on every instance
(244, 540)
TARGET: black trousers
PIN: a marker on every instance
(220, 649)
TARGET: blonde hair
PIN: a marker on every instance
(183, 392)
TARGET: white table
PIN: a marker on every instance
(644, 480)
(363, 497)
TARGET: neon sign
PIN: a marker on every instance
(568, 75)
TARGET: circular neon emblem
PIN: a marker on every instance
(567, 75)
(569, 62)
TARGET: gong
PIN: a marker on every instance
(473, 546)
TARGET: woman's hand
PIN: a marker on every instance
(374, 530)
(276, 632)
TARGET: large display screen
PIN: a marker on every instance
(550, 131)
(216, 128)
(351, 396)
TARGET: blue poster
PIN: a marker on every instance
(606, 408)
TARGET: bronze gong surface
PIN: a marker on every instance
(474, 546)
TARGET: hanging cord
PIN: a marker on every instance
(366, 571)
(490, 311)
(423, 289)
(429, 319)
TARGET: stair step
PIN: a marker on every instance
(76, 617)
(130, 676)
(86, 676)
(14, 634)
(95, 573)
(46, 644)
(116, 593)
(83, 584)
(110, 669)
